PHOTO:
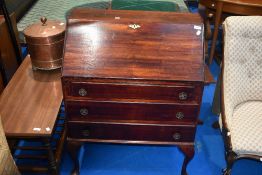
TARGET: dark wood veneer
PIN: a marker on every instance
(81, 15)
(99, 110)
(111, 49)
(135, 86)
(133, 132)
(128, 91)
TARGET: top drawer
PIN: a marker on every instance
(127, 91)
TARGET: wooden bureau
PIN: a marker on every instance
(133, 77)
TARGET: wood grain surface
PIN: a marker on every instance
(6, 47)
(132, 77)
(209, 79)
(83, 15)
(128, 91)
(103, 45)
(244, 2)
(31, 100)
(97, 110)
(131, 132)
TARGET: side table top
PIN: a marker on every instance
(31, 101)
(245, 2)
(241, 7)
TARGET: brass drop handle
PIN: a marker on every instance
(182, 95)
(84, 111)
(176, 136)
(43, 20)
(82, 92)
(85, 133)
(180, 115)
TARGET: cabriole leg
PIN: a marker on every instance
(189, 152)
(73, 148)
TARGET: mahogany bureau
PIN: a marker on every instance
(133, 77)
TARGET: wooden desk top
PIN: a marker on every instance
(31, 100)
(244, 2)
(240, 7)
(165, 46)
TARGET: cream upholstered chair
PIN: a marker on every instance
(242, 89)
(7, 164)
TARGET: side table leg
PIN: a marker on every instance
(73, 148)
(216, 28)
(52, 161)
(189, 152)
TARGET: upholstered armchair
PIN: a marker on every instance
(7, 164)
(242, 89)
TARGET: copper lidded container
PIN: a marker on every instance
(45, 42)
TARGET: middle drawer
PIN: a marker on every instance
(96, 110)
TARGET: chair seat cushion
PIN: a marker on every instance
(246, 128)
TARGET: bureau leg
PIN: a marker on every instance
(73, 148)
(189, 152)
(200, 122)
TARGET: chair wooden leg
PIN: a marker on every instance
(208, 32)
(208, 17)
(230, 159)
(215, 34)
(215, 125)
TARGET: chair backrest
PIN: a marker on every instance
(7, 164)
(242, 73)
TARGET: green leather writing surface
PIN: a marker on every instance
(146, 5)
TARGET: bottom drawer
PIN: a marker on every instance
(131, 132)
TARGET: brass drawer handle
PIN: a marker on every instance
(182, 95)
(180, 115)
(82, 92)
(84, 111)
(176, 136)
(85, 133)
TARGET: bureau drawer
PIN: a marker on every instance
(131, 132)
(126, 91)
(91, 110)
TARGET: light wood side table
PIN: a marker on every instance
(29, 106)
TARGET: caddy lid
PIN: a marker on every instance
(45, 28)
